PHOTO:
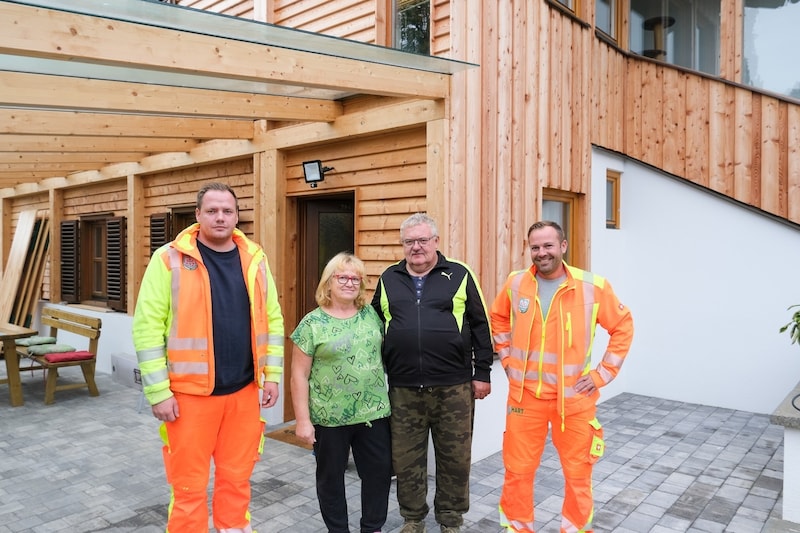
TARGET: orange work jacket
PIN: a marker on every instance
(547, 355)
(172, 326)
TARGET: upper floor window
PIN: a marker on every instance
(681, 32)
(605, 17)
(412, 26)
(569, 4)
(771, 42)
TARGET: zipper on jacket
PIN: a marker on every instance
(419, 339)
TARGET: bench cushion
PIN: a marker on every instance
(61, 357)
(36, 339)
(41, 349)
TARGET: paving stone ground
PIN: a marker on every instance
(94, 465)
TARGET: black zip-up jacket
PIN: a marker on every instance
(442, 339)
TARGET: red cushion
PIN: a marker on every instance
(61, 357)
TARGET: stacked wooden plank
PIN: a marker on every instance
(21, 284)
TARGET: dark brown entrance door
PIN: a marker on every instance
(326, 227)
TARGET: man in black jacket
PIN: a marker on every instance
(438, 355)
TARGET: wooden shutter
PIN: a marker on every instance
(116, 284)
(70, 261)
(160, 233)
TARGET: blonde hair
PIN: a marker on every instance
(341, 261)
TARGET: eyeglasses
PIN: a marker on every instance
(344, 280)
(408, 243)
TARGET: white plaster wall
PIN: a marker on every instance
(490, 417)
(708, 282)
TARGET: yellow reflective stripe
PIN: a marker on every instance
(274, 340)
(459, 303)
(189, 368)
(261, 442)
(162, 430)
(387, 316)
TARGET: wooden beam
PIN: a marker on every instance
(46, 91)
(67, 157)
(82, 38)
(27, 121)
(394, 116)
(101, 145)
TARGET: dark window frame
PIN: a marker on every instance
(94, 261)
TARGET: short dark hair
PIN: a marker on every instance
(547, 224)
(215, 186)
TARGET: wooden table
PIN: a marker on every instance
(8, 334)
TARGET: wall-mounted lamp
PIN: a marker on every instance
(314, 172)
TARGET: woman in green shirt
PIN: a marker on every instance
(340, 396)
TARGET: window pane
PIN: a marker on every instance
(771, 43)
(558, 212)
(555, 211)
(569, 3)
(412, 26)
(604, 16)
(681, 32)
(335, 235)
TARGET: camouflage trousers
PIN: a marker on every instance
(447, 413)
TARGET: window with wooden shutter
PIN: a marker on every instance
(70, 261)
(160, 230)
(115, 263)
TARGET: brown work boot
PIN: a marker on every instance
(450, 529)
(414, 526)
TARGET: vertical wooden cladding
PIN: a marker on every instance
(234, 8)
(348, 19)
(388, 174)
(179, 189)
(534, 122)
(728, 138)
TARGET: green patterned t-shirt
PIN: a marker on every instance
(347, 384)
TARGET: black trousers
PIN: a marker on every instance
(372, 453)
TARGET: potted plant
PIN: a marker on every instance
(793, 326)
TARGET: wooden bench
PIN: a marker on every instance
(85, 326)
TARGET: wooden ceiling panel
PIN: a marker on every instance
(85, 98)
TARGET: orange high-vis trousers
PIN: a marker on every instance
(227, 429)
(579, 445)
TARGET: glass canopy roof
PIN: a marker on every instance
(158, 14)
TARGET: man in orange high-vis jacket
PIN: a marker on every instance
(543, 324)
(208, 333)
